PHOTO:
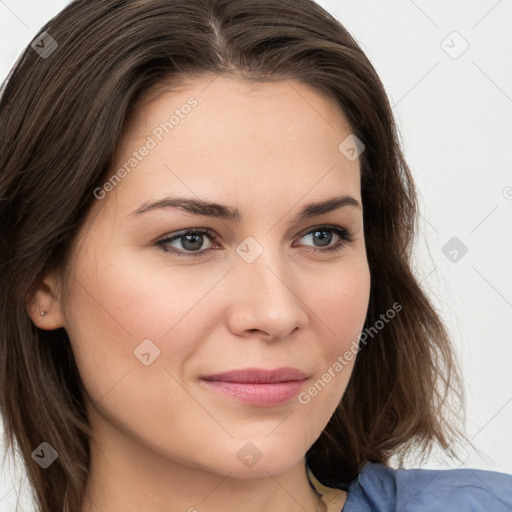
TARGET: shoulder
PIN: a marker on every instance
(383, 489)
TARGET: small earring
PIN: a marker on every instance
(43, 313)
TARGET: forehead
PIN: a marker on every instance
(218, 136)
(227, 108)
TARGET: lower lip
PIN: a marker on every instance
(264, 395)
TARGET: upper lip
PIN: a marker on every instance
(258, 375)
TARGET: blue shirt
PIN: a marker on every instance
(382, 489)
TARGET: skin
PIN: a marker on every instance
(162, 441)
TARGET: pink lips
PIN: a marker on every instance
(256, 386)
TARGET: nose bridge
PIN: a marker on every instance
(263, 263)
(265, 298)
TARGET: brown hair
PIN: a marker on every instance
(61, 118)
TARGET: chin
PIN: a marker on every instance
(258, 458)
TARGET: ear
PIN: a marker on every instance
(44, 305)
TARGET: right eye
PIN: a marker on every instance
(191, 241)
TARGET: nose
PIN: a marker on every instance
(266, 299)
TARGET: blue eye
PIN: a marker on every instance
(192, 240)
(317, 233)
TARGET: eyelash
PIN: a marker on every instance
(345, 236)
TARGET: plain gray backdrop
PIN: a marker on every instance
(447, 70)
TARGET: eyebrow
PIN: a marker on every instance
(220, 211)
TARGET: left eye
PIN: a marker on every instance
(192, 240)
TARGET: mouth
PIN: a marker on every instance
(257, 387)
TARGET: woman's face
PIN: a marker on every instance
(150, 314)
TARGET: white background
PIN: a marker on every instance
(455, 119)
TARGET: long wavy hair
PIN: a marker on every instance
(61, 118)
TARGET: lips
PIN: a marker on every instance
(256, 386)
(258, 376)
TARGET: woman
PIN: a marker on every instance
(208, 302)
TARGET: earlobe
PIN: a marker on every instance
(44, 304)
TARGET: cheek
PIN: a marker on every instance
(340, 302)
(110, 311)
(117, 301)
